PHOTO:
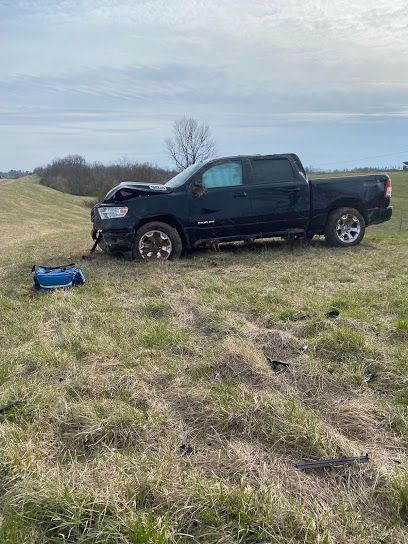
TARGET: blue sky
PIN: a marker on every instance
(106, 79)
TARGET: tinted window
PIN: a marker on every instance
(226, 174)
(182, 177)
(271, 170)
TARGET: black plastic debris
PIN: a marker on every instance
(369, 377)
(300, 317)
(333, 313)
(342, 461)
(277, 366)
(185, 449)
(9, 406)
(97, 239)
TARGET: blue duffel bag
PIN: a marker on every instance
(58, 277)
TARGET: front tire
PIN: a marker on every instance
(344, 227)
(157, 241)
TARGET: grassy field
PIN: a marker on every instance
(118, 377)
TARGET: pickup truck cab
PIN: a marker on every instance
(238, 198)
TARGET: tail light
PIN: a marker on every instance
(388, 189)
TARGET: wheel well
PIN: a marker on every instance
(356, 204)
(170, 220)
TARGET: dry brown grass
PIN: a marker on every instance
(116, 376)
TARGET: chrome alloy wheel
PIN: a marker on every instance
(348, 228)
(155, 244)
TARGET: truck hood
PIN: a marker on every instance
(129, 189)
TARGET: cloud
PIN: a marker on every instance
(122, 71)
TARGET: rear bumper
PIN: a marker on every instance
(379, 215)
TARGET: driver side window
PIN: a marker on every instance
(226, 174)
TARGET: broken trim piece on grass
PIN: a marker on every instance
(98, 238)
(277, 366)
(301, 317)
(333, 313)
(9, 406)
(185, 449)
(342, 461)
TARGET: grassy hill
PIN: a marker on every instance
(117, 377)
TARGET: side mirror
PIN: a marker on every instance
(198, 188)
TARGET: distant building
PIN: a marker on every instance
(405, 165)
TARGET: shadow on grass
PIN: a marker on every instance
(258, 247)
(274, 246)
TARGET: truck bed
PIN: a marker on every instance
(363, 192)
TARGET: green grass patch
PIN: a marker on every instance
(342, 343)
(397, 494)
(116, 375)
(402, 325)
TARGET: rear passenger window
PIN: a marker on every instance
(271, 170)
(226, 174)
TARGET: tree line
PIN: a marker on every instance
(73, 174)
(14, 174)
(191, 142)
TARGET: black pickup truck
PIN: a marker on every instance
(238, 198)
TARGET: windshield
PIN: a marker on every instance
(181, 178)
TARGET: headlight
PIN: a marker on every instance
(112, 213)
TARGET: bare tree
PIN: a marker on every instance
(191, 142)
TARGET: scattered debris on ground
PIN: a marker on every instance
(333, 313)
(9, 406)
(277, 366)
(369, 377)
(301, 317)
(185, 449)
(342, 461)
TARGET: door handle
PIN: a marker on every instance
(240, 195)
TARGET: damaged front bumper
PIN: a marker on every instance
(114, 240)
(117, 240)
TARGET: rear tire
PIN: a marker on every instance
(157, 241)
(345, 227)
